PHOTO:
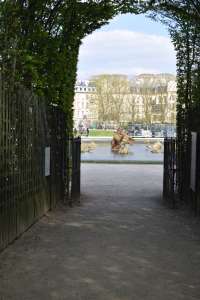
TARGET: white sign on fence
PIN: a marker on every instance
(47, 161)
(193, 161)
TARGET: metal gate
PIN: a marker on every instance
(170, 172)
(73, 169)
(76, 165)
(32, 160)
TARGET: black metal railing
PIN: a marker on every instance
(58, 163)
(73, 181)
(194, 184)
(170, 172)
(181, 181)
(76, 166)
(32, 160)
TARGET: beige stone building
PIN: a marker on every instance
(171, 100)
(85, 110)
(150, 104)
(156, 104)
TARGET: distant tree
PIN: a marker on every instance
(173, 114)
(152, 89)
(144, 90)
(146, 94)
(161, 93)
(132, 101)
(111, 94)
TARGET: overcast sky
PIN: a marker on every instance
(128, 45)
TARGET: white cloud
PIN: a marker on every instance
(127, 52)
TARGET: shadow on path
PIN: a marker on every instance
(120, 244)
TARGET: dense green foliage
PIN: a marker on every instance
(111, 96)
(40, 39)
(186, 38)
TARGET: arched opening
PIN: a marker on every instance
(126, 78)
(120, 245)
(181, 153)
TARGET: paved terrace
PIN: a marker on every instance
(121, 243)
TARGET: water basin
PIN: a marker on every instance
(137, 152)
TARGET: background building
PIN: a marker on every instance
(84, 104)
(110, 100)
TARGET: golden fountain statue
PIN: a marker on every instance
(120, 142)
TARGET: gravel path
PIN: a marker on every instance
(121, 243)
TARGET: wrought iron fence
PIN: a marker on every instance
(170, 172)
(194, 185)
(57, 128)
(74, 169)
(181, 182)
(32, 160)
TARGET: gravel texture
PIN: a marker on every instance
(120, 243)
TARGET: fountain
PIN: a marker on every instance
(88, 147)
(155, 148)
(120, 142)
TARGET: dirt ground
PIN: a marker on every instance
(120, 243)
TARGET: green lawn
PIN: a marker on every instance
(101, 132)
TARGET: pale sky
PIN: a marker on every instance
(128, 45)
